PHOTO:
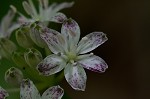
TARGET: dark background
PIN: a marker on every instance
(127, 52)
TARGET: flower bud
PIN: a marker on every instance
(6, 48)
(23, 38)
(13, 76)
(32, 57)
(18, 58)
(35, 35)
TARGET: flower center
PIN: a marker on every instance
(71, 57)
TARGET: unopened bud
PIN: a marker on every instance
(6, 48)
(18, 58)
(13, 76)
(23, 38)
(32, 57)
(35, 34)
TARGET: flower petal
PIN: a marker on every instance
(28, 90)
(94, 63)
(62, 6)
(59, 18)
(91, 41)
(3, 93)
(44, 3)
(35, 35)
(13, 27)
(47, 13)
(30, 9)
(55, 92)
(51, 65)
(6, 23)
(75, 76)
(50, 36)
(71, 32)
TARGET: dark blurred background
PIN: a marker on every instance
(127, 52)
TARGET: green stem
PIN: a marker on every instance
(59, 77)
(47, 51)
(34, 75)
(13, 90)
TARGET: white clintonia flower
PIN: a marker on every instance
(45, 13)
(3, 93)
(69, 54)
(29, 91)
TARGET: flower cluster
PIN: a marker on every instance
(40, 53)
(29, 91)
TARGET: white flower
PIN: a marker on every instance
(6, 28)
(29, 91)
(3, 93)
(45, 13)
(6, 25)
(69, 54)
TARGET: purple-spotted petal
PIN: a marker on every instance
(71, 31)
(59, 18)
(55, 92)
(35, 36)
(50, 36)
(28, 90)
(91, 41)
(51, 65)
(3, 93)
(94, 63)
(75, 76)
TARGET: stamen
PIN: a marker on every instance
(84, 56)
(84, 38)
(72, 61)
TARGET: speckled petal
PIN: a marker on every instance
(59, 18)
(3, 93)
(50, 36)
(71, 31)
(28, 90)
(75, 76)
(35, 35)
(91, 41)
(94, 63)
(51, 65)
(55, 92)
